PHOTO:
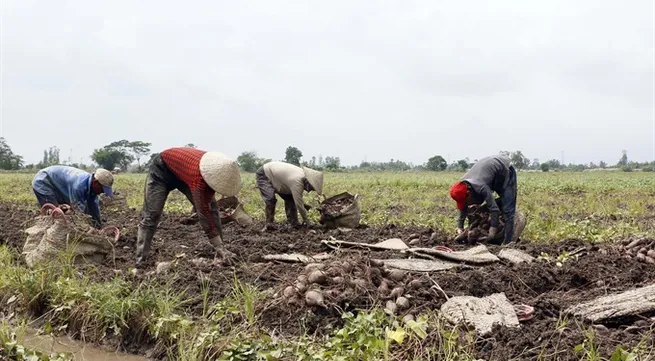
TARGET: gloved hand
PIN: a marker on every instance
(493, 231)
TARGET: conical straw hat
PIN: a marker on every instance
(221, 173)
(315, 178)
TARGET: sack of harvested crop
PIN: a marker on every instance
(52, 234)
(342, 210)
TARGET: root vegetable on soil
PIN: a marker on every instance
(396, 292)
(314, 298)
(337, 280)
(402, 303)
(408, 317)
(289, 292)
(397, 275)
(318, 277)
(301, 287)
(415, 284)
(392, 307)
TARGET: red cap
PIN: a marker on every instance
(458, 192)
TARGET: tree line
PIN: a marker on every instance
(135, 156)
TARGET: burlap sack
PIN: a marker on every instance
(51, 235)
(334, 215)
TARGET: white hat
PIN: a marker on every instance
(106, 179)
(315, 178)
(221, 173)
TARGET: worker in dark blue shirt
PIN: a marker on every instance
(64, 185)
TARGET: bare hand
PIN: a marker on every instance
(223, 257)
(92, 231)
(459, 231)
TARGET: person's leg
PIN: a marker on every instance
(267, 192)
(290, 209)
(508, 199)
(154, 199)
(44, 191)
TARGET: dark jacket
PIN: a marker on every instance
(488, 175)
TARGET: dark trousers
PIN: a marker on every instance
(268, 194)
(508, 206)
(45, 198)
(159, 183)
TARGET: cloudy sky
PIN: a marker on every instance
(355, 79)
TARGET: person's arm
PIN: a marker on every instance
(297, 192)
(494, 212)
(93, 208)
(202, 199)
(462, 217)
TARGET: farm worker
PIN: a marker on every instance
(488, 175)
(65, 186)
(289, 181)
(199, 175)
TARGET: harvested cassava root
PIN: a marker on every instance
(357, 281)
(640, 249)
(479, 221)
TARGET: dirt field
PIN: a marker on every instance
(543, 285)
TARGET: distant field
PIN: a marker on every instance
(593, 205)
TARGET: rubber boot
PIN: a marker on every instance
(143, 242)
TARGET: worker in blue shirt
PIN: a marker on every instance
(62, 185)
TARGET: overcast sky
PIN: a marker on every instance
(355, 79)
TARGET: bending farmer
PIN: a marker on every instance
(198, 175)
(289, 181)
(65, 186)
(488, 175)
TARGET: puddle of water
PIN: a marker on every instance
(81, 351)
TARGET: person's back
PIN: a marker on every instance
(66, 184)
(491, 171)
(284, 176)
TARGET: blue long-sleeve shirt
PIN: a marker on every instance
(68, 185)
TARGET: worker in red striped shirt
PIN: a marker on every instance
(198, 175)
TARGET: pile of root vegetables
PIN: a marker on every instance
(479, 221)
(355, 281)
(336, 206)
(639, 249)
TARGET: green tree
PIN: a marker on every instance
(624, 158)
(250, 162)
(553, 164)
(113, 154)
(519, 160)
(293, 155)
(9, 160)
(139, 149)
(545, 167)
(436, 163)
(332, 163)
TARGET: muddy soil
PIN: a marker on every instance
(544, 285)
